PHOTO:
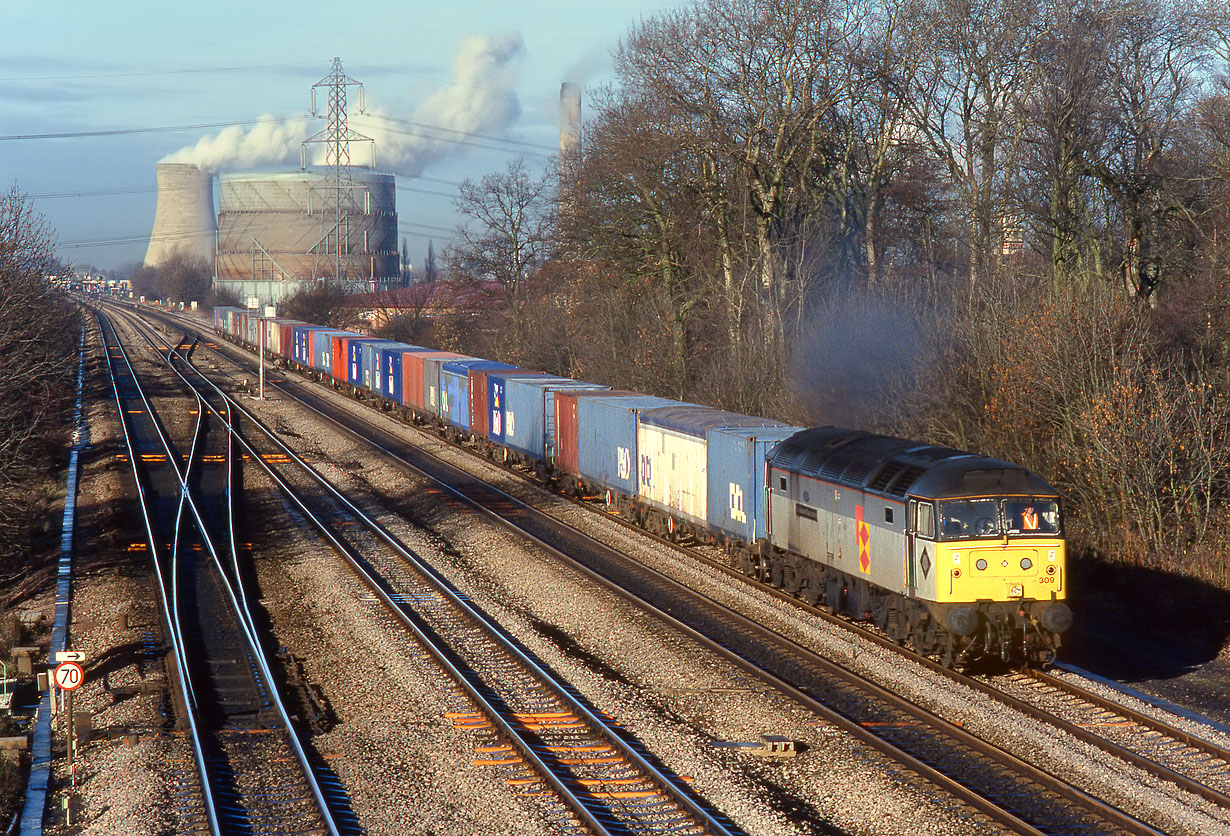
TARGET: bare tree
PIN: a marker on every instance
(39, 333)
(324, 304)
(178, 278)
(757, 83)
(1156, 50)
(430, 270)
(964, 102)
(508, 230)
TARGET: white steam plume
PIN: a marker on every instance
(480, 100)
(270, 141)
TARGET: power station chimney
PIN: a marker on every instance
(569, 145)
(569, 119)
(184, 221)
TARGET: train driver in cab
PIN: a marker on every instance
(1031, 517)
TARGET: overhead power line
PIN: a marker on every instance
(184, 71)
(405, 224)
(423, 126)
(127, 190)
(130, 239)
(152, 130)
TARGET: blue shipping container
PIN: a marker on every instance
(390, 366)
(303, 343)
(354, 358)
(738, 504)
(529, 413)
(433, 390)
(500, 422)
(606, 439)
(369, 362)
(322, 348)
(455, 388)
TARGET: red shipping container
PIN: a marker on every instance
(413, 385)
(480, 397)
(286, 337)
(341, 357)
(566, 431)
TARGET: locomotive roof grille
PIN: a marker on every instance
(857, 472)
(813, 460)
(886, 474)
(905, 480)
(835, 465)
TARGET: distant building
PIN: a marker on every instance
(430, 300)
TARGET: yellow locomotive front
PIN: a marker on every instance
(1001, 578)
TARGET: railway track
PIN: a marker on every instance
(998, 797)
(534, 729)
(250, 774)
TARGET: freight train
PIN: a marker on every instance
(959, 555)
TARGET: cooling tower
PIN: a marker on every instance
(278, 231)
(184, 220)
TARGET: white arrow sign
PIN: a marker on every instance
(70, 656)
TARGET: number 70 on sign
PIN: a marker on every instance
(69, 676)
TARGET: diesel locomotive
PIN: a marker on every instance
(959, 555)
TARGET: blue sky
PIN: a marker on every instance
(74, 67)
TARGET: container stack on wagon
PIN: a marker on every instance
(680, 468)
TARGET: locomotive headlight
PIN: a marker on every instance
(1050, 570)
(981, 564)
(1026, 563)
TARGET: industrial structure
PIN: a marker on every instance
(278, 233)
(569, 120)
(281, 232)
(184, 218)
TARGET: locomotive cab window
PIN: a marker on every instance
(924, 520)
(1032, 516)
(966, 518)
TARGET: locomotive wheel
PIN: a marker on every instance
(898, 626)
(776, 573)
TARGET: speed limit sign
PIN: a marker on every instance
(69, 675)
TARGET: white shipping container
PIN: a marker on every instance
(673, 471)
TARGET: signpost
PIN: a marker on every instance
(68, 676)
